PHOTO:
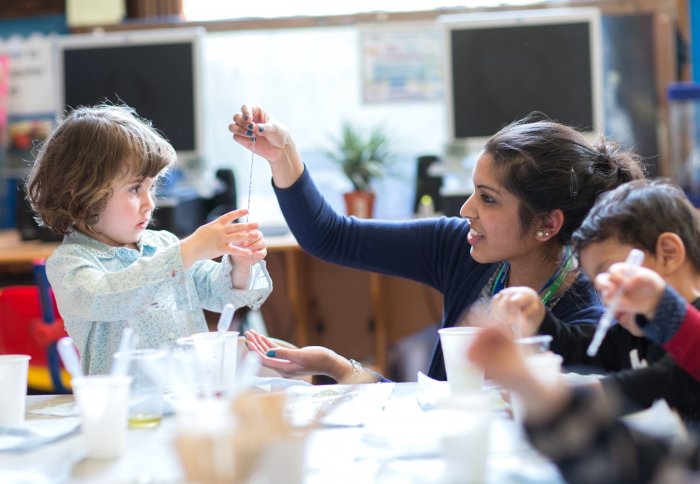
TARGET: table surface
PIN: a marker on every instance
(395, 444)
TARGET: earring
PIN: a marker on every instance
(542, 234)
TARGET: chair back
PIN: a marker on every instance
(23, 331)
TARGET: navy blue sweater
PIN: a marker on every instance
(431, 251)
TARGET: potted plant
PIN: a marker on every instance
(363, 158)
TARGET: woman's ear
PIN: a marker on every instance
(670, 253)
(549, 225)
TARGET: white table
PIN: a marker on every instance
(395, 445)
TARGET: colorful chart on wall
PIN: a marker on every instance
(401, 63)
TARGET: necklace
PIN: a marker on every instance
(551, 286)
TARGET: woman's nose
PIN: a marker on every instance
(465, 211)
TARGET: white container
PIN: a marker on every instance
(465, 438)
(463, 376)
(547, 368)
(13, 375)
(103, 401)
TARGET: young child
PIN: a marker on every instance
(661, 314)
(657, 218)
(93, 181)
(577, 427)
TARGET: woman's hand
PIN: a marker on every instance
(519, 308)
(221, 237)
(295, 363)
(254, 129)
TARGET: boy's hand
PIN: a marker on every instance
(641, 288)
(520, 308)
(221, 237)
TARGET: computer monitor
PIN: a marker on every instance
(156, 72)
(502, 66)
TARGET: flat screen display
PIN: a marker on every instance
(156, 76)
(503, 70)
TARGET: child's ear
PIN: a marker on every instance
(670, 253)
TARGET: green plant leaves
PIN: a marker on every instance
(362, 158)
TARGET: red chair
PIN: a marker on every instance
(24, 329)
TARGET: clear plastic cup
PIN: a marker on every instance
(207, 359)
(228, 355)
(534, 344)
(146, 396)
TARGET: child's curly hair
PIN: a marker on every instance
(70, 181)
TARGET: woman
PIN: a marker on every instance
(533, 185)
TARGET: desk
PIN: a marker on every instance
(18, 253)
(358, 314)
(375, 452)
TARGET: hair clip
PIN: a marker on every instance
(573, 184)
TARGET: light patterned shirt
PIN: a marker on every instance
(101, 289)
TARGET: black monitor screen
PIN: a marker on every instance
(155, 79)
(500, 74)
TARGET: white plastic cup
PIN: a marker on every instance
(463, 376)
(465, 438)
(13, 396)
(282, 460)
(547, 368)
(103, 401)
(224, 358)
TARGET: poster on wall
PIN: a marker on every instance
(401, 63)
(30, 100)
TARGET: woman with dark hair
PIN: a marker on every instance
(533, 185)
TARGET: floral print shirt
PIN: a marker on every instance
(101, 289)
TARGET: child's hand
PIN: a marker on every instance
(221, 237)
(242, 262)
(519, 308)
(495, 351)
(257, 248)
(641, 288)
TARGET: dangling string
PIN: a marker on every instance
(250, 181)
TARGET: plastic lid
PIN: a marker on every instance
(683, 90)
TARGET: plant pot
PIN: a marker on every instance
(359, 204)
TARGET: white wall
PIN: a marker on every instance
(310, 80)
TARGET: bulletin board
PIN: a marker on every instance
(401, 63)
(30, 101)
